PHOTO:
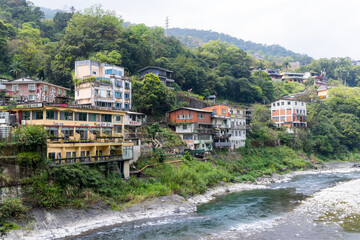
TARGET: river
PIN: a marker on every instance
(298, 209)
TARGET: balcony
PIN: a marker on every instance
(132, 135)
(221, 144)
(204, 130)
(89, 160)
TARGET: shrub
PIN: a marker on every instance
(12, 207)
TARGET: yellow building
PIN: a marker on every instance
(78, 134)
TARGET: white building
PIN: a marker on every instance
(133, 121)
(237, 126)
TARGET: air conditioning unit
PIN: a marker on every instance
(23, 122)
(57, 123)
(99, 125)
(87, 125)
(109, 125)
(104, 124)
(62, 124)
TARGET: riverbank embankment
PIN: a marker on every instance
(70, 222)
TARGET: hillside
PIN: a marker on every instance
(50, 13)
(194, 38)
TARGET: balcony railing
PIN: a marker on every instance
(89, 160)
(222, 144)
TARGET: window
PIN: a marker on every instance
(127, 152)
(15, 87)
(51, 114)
(53, 90)
(25, 115)
(282, 118)
(51, 155)
(32, 97)
(105, 118)
(278, 103)
(288, 109)
(295, 103)
(96, 92)
(289, 103)
(187, 137)
(126, 106)
(53, 131)
(214, 112)
(37, 115)
(108, 93)
(66, 116)
(179, 116)
(223, 111)
(68, 154)
(118, 94)
(297, 110)
(118, 129)
(32, 87)
(94, 117)
(45, 88)
(95, 131)
(74, 154)
(127, 85)
(273, 104)
(82, 131)
(77, 93)
(184, 127)
(200, 116)
(80, 116)
(118, 83)
(273, 110)
(127, 96)
(94, 73)
(302, 104)
(117, 119)
(282, 103)
(190, 116)
(67, 131)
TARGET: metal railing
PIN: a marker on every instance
(89, 159)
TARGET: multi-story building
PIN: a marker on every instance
(289, 113)
(221, 124)
(164, 75)
(102, 85)
(274, 74)
(237, 126)
(293, 77)
(134, 121)
(323, 91)
(79, 134)
(194, 127)
(26, 90)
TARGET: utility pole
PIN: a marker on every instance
(166, 26)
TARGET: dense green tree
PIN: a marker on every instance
(151, 96)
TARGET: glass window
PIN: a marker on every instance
(118, 128)
(126, 106)
(45, 88)
(82, 131)
(37, 115)
(52, 114)
(127, 85)
(108, 93)
(67, 131)
(187, 137)
(107, 131)
(59, 92)
(223, 111)
(93, 117)
(80, 116)
(200, 116)
(127, 152)
(66, 115)
(25, 115)
(15, 87)
(95, 131)
(51, 155)
(32, 97)
(105, 118)
(184, 126)
(117, 118)
(53, 131)
(118, 94)
(53, 90)
(32, 87)
(127, 96)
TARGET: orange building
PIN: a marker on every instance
(194, 127)
(220, 110)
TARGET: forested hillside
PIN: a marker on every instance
(194, 38)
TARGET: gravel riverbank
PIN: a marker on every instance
(70, 222)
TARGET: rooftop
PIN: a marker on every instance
(30, 80)
(191, 109)
(162, 69)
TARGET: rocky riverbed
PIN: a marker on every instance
(69, 222)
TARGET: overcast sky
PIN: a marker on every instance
(317, 28)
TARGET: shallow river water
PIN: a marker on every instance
(281, 211)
